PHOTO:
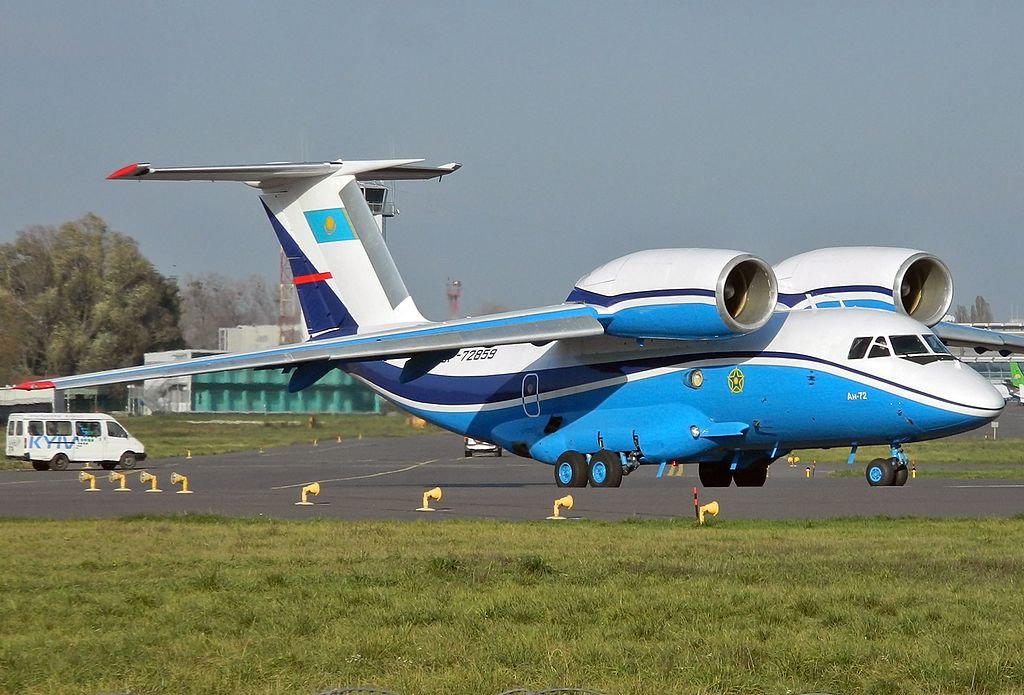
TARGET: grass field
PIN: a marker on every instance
(208, 605)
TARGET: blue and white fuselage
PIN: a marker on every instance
(796, 387)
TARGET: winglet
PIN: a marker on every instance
(34, 385)
(132, 170)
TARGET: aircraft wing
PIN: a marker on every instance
(442, 339)
(980, 339)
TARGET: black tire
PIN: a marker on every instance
(753, 476)
(901, 476)
(128, 460)
(59, 462)
(108, 465)
(469, 454)
(571, 470)
(41, 465)
(880, 473)
(498, 453)
(714, 474)
(605, 469)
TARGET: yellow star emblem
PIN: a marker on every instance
(736, 380)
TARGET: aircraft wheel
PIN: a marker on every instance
(605, 469)
(880, 472)
(752, 476)
(900, 478)
(714, 474)
(41, 465)
(571, 470)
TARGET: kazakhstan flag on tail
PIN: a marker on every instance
(328, 225)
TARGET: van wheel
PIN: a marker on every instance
(59, 462)
(127, 459)
(108, 465)
(41, 465)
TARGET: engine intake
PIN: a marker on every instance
(911, 282)
(681, 294)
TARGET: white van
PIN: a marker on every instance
(53, 440)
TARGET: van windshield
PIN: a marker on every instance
(115, 430)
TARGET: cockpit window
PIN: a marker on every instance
(937, 346)
(859, 348)
(907, 345)
(880, 348)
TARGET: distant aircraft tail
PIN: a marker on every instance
(344, 275)
(1016, 377)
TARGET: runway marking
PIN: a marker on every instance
(358, 477)
(961, 487)
(23, 482)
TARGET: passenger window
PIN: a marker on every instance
(58, 428)
(17, 432)
(35, 428)
(88, 428)
(10, 428)
(907, 345)
(880, 348)
(859, 348)
(115, 430)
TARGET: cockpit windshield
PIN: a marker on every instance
(922, 349)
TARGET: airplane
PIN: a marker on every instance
(691, 355)
(1015, 384)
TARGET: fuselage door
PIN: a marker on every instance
(531, 395)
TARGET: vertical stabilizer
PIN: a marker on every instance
(344, 275)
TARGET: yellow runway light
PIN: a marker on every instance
(311, 489)
(88, 478)
(561, 503)
(709, 508)
(431, 494)
(177, 478)
(119, 478)
(147, 477)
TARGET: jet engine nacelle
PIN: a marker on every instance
(680, 294)
(911, 282)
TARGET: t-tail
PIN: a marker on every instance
(344, 275)
(1016, 377)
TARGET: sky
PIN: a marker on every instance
(586, 130)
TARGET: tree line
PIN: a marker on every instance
(80, 297)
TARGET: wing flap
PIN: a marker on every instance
(561, 322)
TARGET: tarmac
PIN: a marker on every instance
(386, 479)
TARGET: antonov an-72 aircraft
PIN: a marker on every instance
(703, 356)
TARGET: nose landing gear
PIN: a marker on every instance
(890, 471)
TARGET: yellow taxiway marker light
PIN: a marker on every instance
(913, 470)
(88, 478)
(431, 494)
(261, 450)
(807, 472)
(316, 442)
(709, 508)
(147, 477)
(561, 503)
(311, 489)
(177, 478)
(188, 454)
(118, 478)
(339, 439)
(792, 460)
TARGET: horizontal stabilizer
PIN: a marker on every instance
(369, 170)
(535, 325)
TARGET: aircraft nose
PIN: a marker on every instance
(976, 392)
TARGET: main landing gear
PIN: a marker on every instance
(601, 469)
(720, 474)
(890, 471)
